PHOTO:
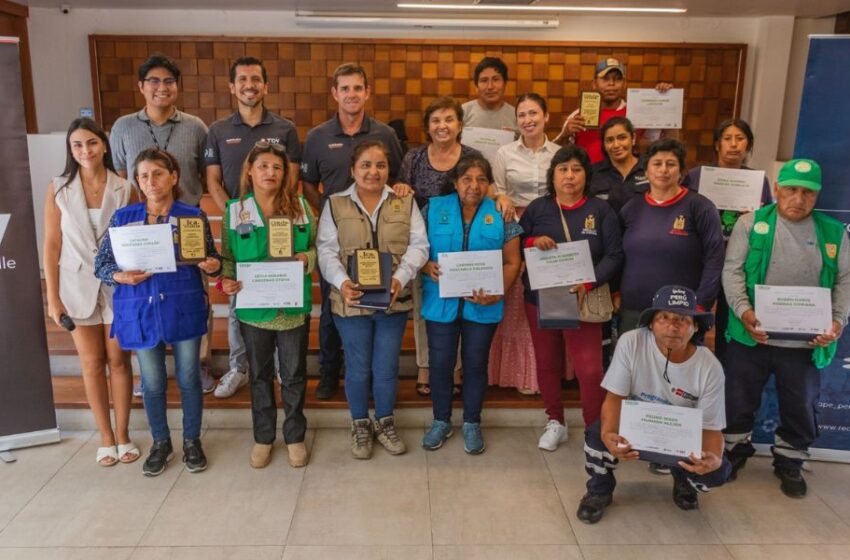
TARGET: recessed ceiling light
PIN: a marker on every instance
(506, 8)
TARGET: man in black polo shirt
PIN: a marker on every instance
(228, 142)
(327, 161)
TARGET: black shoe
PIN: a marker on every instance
(592, 506)
(327, 387)
(738, 462)
(793, 484)
(659, 469)
(160, 454)
(684, 495)
(193, 456)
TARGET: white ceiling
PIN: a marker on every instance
(696, 8)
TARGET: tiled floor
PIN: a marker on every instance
(512, 502)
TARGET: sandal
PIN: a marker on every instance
(106, 453)
(128, 449)
(423, 389)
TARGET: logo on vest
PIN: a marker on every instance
(761, 228)
(444, 217)
(488, 219)
(831, 250)
(4, 262)
(589, 225)
(396, 205)
(679, 226)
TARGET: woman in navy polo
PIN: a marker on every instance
(152, 310)
(567, 206)
(466, 220)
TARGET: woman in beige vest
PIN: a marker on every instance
(79, 204)
(369, 215)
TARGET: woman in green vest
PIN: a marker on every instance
(266, 194)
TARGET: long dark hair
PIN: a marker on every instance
(741, 125)
(617, 121)
(286, 198)
(71, 165)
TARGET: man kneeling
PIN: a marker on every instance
(660, 363)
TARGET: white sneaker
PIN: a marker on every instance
(230, 383)
(554, 435)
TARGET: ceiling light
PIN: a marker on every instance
(506, 8)
(317, 19)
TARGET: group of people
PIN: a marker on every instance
(658, 247)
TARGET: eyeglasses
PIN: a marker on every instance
(266, 145)
(156, 82)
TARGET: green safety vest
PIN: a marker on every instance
(255, 248)
(829, 233)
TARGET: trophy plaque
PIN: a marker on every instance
(591, 105)
(280, 238)
(191, 241)
(367, 270)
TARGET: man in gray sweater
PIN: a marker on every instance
(783, 244)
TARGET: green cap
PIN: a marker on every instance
(800, 173)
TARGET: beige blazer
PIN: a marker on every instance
(78, 286)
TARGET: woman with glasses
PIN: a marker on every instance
(267, 193)
(166, 308)
(79, 205)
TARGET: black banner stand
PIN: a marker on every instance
(27, 413)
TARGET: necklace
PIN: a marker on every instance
(158, 218)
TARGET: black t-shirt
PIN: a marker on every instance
(607, 183)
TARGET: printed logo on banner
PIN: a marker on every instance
(4, 224)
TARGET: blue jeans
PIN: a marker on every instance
(442, 354)
(330, 345)
(372, 344)
(187, 366)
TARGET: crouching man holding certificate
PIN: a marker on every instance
(787, 281)
(471, 246)
(269, 247)
(657, 373)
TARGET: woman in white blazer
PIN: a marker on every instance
(79, 204)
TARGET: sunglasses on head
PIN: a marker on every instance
(266, 145)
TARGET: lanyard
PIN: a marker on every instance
(167, 139)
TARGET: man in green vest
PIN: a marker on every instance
(787, 243)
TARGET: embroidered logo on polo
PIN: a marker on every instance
(335, 146)
(233, 141)
(589, 225)
(679, 226)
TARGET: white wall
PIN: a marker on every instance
(62, 78)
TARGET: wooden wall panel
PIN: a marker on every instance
(406, 75)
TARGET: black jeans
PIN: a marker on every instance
(797, 389)
(291, 348)
(330, 343)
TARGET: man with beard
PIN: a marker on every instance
(228, 142)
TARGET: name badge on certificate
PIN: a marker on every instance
(280, 238)
(590, 107)
(191, 242)
(367, 269)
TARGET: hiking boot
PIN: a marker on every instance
(361, 438)
(297, 454)
(473, 443)
(684, 494)
(592, 506)
(793, 484)
(193, 456)
(438, 433)
(160, 454)
(387, 436)
(261, 455)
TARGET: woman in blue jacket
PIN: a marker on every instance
(152, 310)
(466, 220)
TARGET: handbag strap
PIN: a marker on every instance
(563, 221)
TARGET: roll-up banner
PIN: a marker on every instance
(822, 135)
(27, 414)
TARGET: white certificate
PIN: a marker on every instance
(793, 311)
(649, 108)
(149, 248)
(486, 140)
(661, 429)
(566, 265)
(270, 285)
(732, 189)
(464, 271)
